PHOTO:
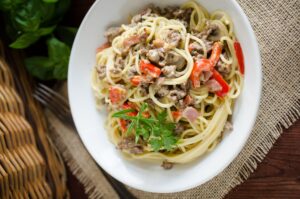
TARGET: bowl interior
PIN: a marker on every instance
(90, 122)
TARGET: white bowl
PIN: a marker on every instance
(90, 122)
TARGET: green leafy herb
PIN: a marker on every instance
(27, 21)
(154, 130)
(53, 67)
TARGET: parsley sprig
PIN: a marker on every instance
(154, 130)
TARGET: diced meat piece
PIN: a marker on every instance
(167, 165)
(173, 58)
(134, 39)
(190, 114)
(176, 95)
(169, 71)
(163, 91)
(128, 143)
(131, 72)
(179, 128)
(213, 85)
(173, 38)
(138, 18)
(223, 68)
(153, 55)
(112, 33)
(101, 71)
(158, 43)
(205, 76)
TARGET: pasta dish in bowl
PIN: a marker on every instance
(169, 79)
(173, 84)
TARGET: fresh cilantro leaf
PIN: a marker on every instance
(156, 144)
(169, 142)
(162, 116)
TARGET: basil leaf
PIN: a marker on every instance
(50, 1)
(40, 67)
(59, 53)
(9, 4)
(25, 40)
(29, 38)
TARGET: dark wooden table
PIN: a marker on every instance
(278, 176)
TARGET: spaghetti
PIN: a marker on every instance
(182, 61)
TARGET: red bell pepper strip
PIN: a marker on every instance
(199, 66)
(123, 124)
(225, 87)
(176, 114)
(116, 94)
(149, 69)
(216, 52)
(102, 47)
(136, 80)
(240, 56)
(128, 106)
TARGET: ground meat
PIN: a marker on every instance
(163, 91)
(176, 94)
(131, 72)
(223, 68)
(173, 38)
(205, 76)
(179, 128)
(139, 17)
(128, 143)
(119, 63)
(150, 103)
(173, 58)
(186, 86)
(195, 48)
(210, 29)
(144, 50)
(169, 71)
(113, 32)
(101, 71)
(153, 55)
(133, 40)
(167, 165)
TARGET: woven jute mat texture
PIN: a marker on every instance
(277, 27)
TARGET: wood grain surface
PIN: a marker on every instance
(278, 176)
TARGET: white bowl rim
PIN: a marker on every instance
(233, 155)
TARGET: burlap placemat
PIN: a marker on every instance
(277, 26)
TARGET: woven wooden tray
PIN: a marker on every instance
(30, 166)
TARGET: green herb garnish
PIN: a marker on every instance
(154, 130)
